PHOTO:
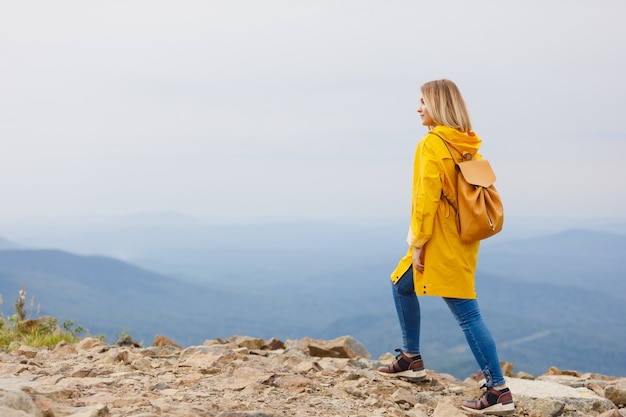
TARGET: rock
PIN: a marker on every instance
(247, 342)
(553, 370)
(342, 347)
(153, 351)
(595, 387)
(447, 409)
(127, 340)
(160, 341)
(274, 344)
(419, 410)
(65, 349)
(612, 413)
(571, 373)
(90, 343)
(26, 351)
(99, 410)
(569, 380)
(507, 368)
(10, 412)
(547, 399)
(524, 375)
(616, 392)
(19, 401)
(82, 372)
(141, 364)
(403, 396)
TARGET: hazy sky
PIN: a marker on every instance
(229, 110)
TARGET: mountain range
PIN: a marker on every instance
(550, 300)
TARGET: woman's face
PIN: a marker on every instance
(423, 111)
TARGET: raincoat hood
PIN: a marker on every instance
(462, 142)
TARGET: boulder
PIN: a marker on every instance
(16, 402)
(341, 347)
(161, 341)
(548, 399)
(616, 392)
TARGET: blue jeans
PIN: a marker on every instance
(466, 313)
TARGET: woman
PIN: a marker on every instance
(437, 262)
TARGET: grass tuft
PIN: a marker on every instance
(43, 331)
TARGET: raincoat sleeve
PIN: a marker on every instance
(427, 186)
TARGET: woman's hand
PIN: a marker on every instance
(418, 258)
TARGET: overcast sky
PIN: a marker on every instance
(240, 110)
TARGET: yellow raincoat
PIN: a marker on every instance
(449, 264)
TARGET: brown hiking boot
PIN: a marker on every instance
(404, 367)
(493, 401)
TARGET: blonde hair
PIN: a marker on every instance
(446, 105)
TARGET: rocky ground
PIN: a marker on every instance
(251, 377)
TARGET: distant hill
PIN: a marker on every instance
(109, 297)
(556, 300)
(580, 258)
